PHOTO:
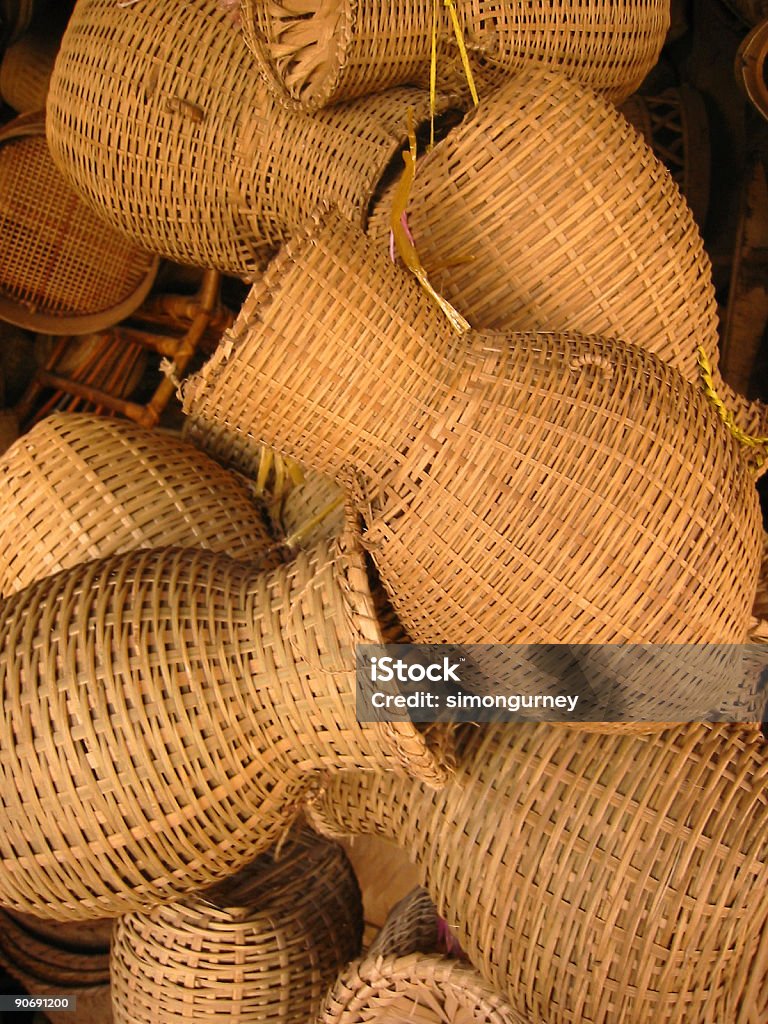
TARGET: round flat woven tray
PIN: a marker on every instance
(166, 711)
(78, 487)
(323, 51)
(517, 488)
(265, 945)
(67, 272)
(598, 878)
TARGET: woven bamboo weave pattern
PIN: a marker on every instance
(265, 945)
(403, 977)
(166, 709)
(516, 487)
(78, 487)
(156, 117)
(324, 51)
(63, 269)
(26, 71)
(603, 878)
(546, 210)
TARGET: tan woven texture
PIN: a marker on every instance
(64, 272)
(264, 946)
(324, 51)
(600, 878)
(165, 712)
(312, 510)
(402, 979)
(157, 118)
(26, 71)
(546, 210)
(517, 487)
(78, 487)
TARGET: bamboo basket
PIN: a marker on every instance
(67, 273)
(184, 150)
(166, 711)
(311, 511)
(265, 945)
(26, 70)
(324, 51)
(600, 878)
(403, 977)
(78, 487)
(517, 488)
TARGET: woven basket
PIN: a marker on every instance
(311, 511)
(263, 946)
(80, 487)
(517, 487)
(403, 978)
(324, 51)
(593, 878)
(26, 71)
(180, 146)
(165, 712)
(65, 273)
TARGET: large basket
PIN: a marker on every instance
(404, 977)
(325, 51)
(79, 487)
(182, 147)
(593, 879)
(65, 273)
(265, 945)
(165, 712)
(517, 487)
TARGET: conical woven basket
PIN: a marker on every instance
(325, 51)
(165, 712)
(67, 273)
(79, 487)
(403, 977)
(593, 878)
(517, 487)
(26, 71)
(265, 945)
(187, 153)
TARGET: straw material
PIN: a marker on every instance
(263, 946)
(323, 51)
(312, 510)
(79, 487)
(66, 273)
(599, 878)
(26, 71)
(403, 978)
(675, 126)
(516, 487)
(165, 712)
(156, 117)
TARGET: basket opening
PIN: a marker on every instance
(302, 41)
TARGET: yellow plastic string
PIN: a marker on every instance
(433, 76)
(751, 440)
(462, 50)
(298, 535)
(405, 247)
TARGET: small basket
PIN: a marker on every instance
(166, 712)
(265, 945)
(588, 876)
(66, 273)
(404, 977)
(79, 487)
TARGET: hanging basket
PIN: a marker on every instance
(517, 488)
(263, 945)
(592, 878)
(188, 154)
(166, 711)
(67, 273)
(325, 51)
(79, 487)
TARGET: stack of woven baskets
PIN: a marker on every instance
(472, 396)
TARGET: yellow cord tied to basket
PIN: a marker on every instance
(725, 414)
(405, 246)
(433, 64)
